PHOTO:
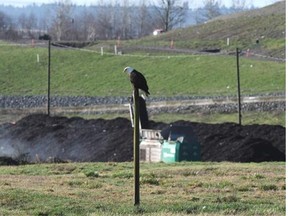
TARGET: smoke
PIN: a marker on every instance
(9, 150)
(45, 149)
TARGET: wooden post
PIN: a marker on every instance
(38, 58)
(115, 49)
(238, 81)
(136, 148)
(172, 44)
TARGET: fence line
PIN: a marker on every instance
(247, 54)
(72, 107)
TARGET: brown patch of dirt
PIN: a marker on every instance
(39, 138)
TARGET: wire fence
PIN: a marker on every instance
(78, 81)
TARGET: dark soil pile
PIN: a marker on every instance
(39, 138)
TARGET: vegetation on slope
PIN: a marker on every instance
(78, 72)
(267, 25)
(75, 72)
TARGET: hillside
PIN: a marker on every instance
(76, 72)
(276, 8)
(85, 72)
(267, 25)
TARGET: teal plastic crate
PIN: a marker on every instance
(181, 145)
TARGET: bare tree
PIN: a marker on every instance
(143, 12)
(7, 28)
(238, 5)
(210, 10)
(62, 22)
(28, 24)
(45, 21)
(22, 20)
(213, 8)
(145, 21)
(170, 14)
(88, 26)
(115, 21)
(126, 21)
(4, 21)
(32, 21)
(104, 21)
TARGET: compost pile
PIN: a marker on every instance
(40, 138)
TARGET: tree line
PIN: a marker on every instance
(107, 20)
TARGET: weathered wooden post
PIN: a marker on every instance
(136, 148)
(139, 82)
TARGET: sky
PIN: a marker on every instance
(196, 3)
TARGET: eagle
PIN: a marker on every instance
(137, 79)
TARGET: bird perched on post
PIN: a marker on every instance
(137, 79)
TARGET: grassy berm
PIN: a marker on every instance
(169, 72)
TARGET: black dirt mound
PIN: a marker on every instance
(38, 138)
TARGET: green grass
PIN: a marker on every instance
(76, 72)
(79, 72)
(248, 118)
(184, 188)
(243, 31)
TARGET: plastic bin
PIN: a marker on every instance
(181, 145)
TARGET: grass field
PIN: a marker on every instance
(87, 73)
(78, 72)
(166, 189)
(248, 118)
(186, 188)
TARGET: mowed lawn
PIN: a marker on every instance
(194, 188)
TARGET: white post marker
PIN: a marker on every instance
(115, 49)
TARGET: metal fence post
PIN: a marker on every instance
(238, 84)
(49, 64)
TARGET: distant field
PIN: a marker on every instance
(79, 72)
(186, 188)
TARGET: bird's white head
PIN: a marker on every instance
(128, 69)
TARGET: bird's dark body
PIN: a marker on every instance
(139, 81)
